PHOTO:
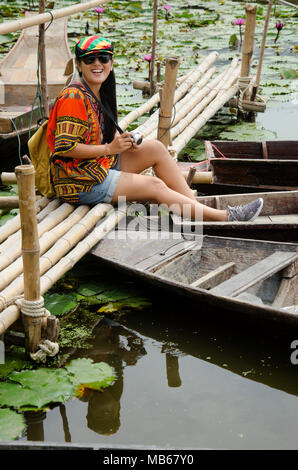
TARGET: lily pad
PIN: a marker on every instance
(60, 304)
(41, 386)
(12, 424)
(91, 375)
(136, 303)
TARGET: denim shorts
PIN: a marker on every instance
(104, 191)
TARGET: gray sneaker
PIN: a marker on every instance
(248, 212)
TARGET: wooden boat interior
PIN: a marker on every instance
(280, 210)
(18, 73)
(250, 272)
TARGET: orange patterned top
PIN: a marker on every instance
(76, 118)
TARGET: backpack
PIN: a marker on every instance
(40, 155)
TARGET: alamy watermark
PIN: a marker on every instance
(294, 355)
(157, 222)
(2, 353)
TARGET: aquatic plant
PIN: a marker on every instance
(279, 26)
(240, 22)
(99, 11)
(167, 7)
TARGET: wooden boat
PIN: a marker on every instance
(277, 222)
(239, 166)
(18, 70)
(252, 279)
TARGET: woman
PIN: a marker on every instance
(94, 163)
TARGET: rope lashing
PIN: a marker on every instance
(32, 308)
(36, 309)
(244, 83)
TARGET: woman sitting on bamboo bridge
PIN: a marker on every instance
(93, 162)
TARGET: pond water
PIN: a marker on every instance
(183, 381)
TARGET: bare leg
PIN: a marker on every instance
(137, 187)
(153, 153)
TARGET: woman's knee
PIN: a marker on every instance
(156, 186)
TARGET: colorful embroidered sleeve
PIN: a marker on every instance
(68, 122)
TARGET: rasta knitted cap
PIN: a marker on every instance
(91, 44)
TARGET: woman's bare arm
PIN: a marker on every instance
(120, 143)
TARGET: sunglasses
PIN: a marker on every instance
(90, 59)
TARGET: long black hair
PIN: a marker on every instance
(109, 100)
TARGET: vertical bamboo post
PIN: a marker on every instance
(262, 49)
(30, 251)
(248, 42)
(152, 63)
(167, 101)
(42, 63)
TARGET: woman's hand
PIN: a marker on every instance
(120, 143)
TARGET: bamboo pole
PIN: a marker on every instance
(30, 252)
(58, 250)
(195, 96)
(147, 106)
(150, 131)
(12, 313)
(152, 63)
(9, 202)
(167, 101)
(192, 77)
(10, 251)
(8, 178)
(248, 42)
(11, 26)
(13, 225)
(180, 142)
(199, 177)
(43, 64)
(222, 85)
(45, 242)
(261, 55)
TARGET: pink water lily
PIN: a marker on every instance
(167, 7)
(99, 11)
(279, 26)
(239, 22)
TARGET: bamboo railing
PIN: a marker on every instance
(12, 26)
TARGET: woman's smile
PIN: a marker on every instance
(96, 73)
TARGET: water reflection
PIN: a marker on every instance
(151, 395)
(119, 347)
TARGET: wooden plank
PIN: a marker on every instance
(254, 274)
(251, 172)
(215, 277)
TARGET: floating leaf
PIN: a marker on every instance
(137, 303)
(12, 424)
(49, 385)
(15, 396)
(289, 73)
(91, 375)
(60, 304)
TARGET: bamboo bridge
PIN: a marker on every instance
(49, 237)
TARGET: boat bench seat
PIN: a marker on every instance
(255, 273)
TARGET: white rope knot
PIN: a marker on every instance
(47, 348)
(32, 308)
